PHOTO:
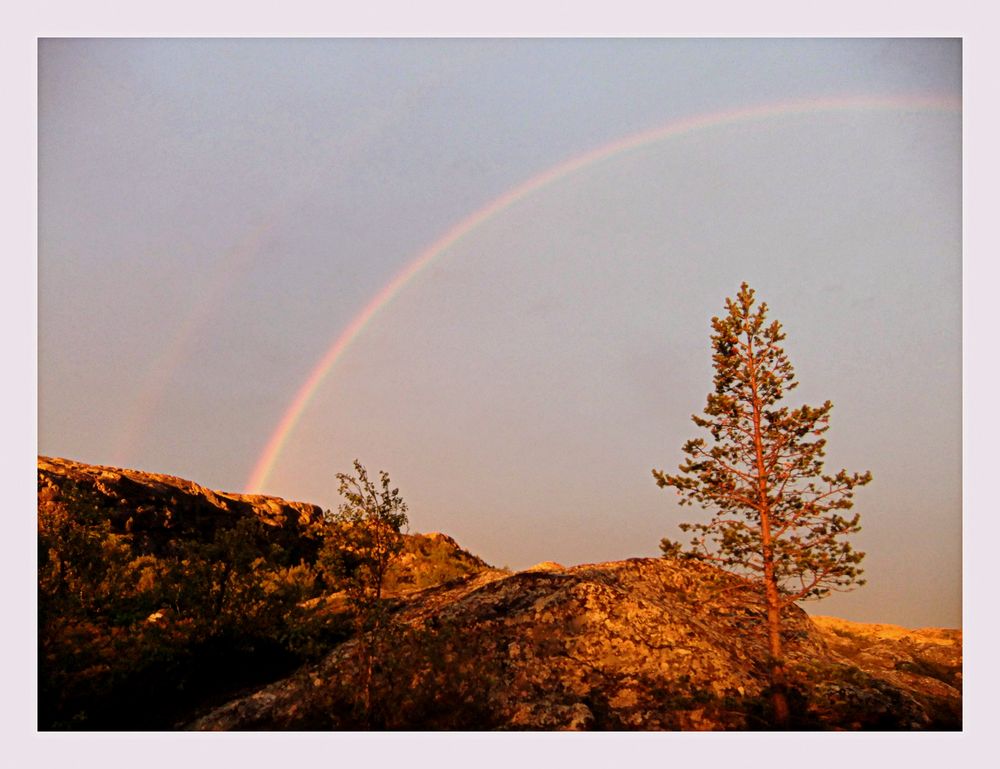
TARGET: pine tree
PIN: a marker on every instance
(777, 517)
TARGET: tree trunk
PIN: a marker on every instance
(367, 696)
(776, 663)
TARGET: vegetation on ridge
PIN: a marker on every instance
(157, 598)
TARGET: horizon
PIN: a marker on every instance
(215, 216)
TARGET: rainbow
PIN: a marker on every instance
(268, 458)
(157, 375)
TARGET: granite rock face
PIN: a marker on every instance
(925, 663)
(637, 644)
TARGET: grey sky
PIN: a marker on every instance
(213, 213)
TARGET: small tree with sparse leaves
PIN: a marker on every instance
(364, 537)
(777, 517)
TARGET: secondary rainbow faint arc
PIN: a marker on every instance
(265, 464)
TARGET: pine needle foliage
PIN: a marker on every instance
(763, 468)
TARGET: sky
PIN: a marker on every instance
(524, 242)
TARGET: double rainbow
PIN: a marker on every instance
(279, 437)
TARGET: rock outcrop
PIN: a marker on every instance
(636, 644)
(156, 508)
(152, 509)
(926, 663)
(158, 595)
(150, 585)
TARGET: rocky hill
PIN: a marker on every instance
(158, 596)
(636, 644)
(197, 620)
(157, 508)
(152, 512)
